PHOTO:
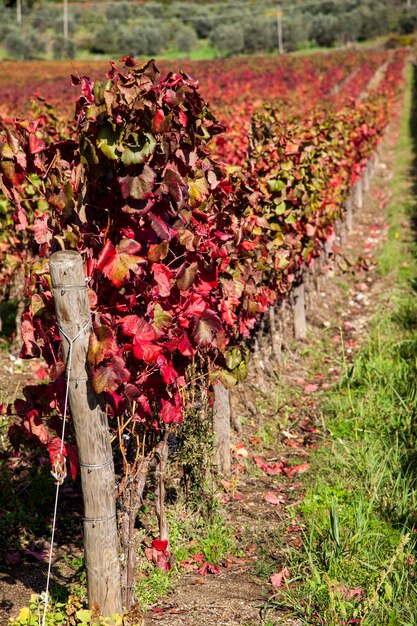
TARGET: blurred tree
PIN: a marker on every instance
(324, 29)
(203, 22)
(350, 25)
(185, 38)
(145, 39)
(107, 38)
(259, 34)
(228, 38)
(63, 48)
(46, 17)
(24, 44)
(119, 12)
(408, 21)
(295, 32)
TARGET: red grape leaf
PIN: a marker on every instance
(186, 275)
(137, 327)
(115, 263)
(206, 327)
(33, 425)
(161, 275)
(138, 187)
(160, 544)
(103, 346)
(171, 411)
(146, 350)
(110, 376)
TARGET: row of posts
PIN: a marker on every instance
(90, 421)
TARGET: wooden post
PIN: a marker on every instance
(358, 194)
(340, 230)
(273, 334)
(92, 436)
(221, 429)
(349, 214)
(234, 418)
(366, 177)
(299, 310)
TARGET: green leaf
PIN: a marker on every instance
(276, 185)
(283, 263)
(227, 379)
(280, 209)
(84, 615)
(388, 591)
(241, 371)
(161, 318)
(107, 141)
(291, 219)
(136, 153)
(198, 189)
(88, 153)
(233, 358)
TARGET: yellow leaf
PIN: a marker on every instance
(24, 613)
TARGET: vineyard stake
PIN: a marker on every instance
(299, 310)
(92, 437)
(349, 213)
(358, 194)
(221, 429)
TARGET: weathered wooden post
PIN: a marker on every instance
(299, 309)
(349, 213)
(358, 194)
(276, 352)
(92, 435)
(366, 177)
(221, 429)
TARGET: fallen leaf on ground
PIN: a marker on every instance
(271, 470)
(296, 469)
(351, 593)
(297, 542)
(241, 451)
(277, 579)
(310, 388)
(273, 498)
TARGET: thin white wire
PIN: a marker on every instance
(45, 594)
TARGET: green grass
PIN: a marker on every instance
(202, 52)
(360, 512)
(191, 533)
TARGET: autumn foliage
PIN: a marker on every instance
(183, 253)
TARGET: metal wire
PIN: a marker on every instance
(58, 484)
